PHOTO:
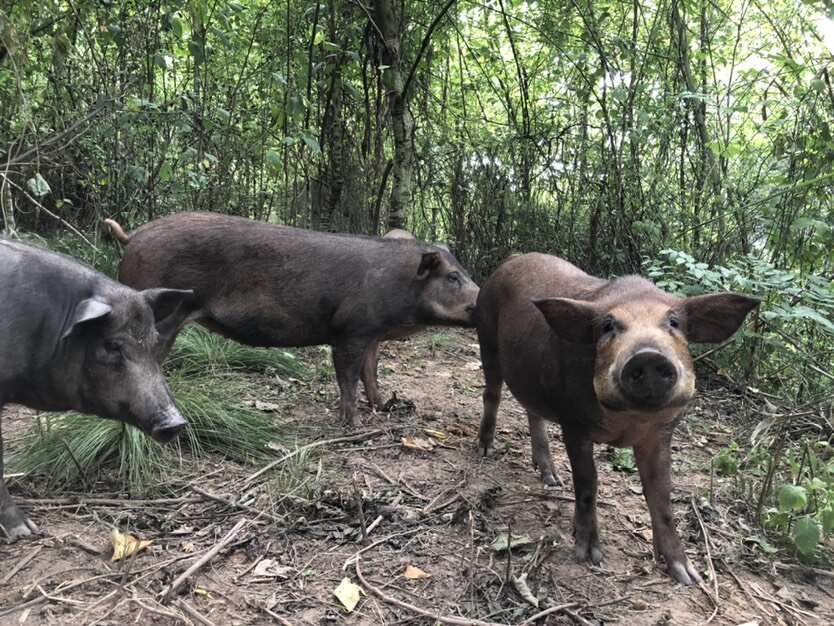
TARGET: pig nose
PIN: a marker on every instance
(648, 377)
(168, 424)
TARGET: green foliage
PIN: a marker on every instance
(197, 350)
(622, 460)
(727, 460)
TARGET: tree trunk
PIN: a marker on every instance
(402, 125)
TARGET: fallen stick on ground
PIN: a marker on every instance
(208, 556)
(355, 556)
(316, 444)
(234, 505)
(21, 564)
(443, 619)
(193, 613)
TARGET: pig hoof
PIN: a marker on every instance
(585, 552)
(483, 450)
(684, 572)
(21, 529)
(549, 479)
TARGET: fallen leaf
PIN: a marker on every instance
(436, 434)
(270, 568)
(503, 542)
(520, 584)
(418, 443)
(260, 405)
(472, 366)
(415, 573)
(189, 547)
(126, 545)
(348, 594)
(202, 591)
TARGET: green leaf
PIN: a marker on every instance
(312, 143)
(623, 461)
(318, 38)
(806, 535)
(791, 498)
(828, 521)
(818, 84)
(223, 115)
(38, 185)
(273, 159)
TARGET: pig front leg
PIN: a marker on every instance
(347, 361)
(369, 375)
(13, 523)
(580, 450)
(654, 462)
(542, 459)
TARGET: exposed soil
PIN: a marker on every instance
(439, 510)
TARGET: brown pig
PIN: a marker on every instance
(608, 361)
(268, 285)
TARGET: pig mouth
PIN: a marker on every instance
(621, 405)
(167, 425)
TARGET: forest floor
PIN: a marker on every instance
(293, 533)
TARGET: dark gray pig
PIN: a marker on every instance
(267, 285)
(72, 339)
(608, 361)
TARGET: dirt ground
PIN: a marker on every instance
(289, 536)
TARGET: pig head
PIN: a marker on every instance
(72, 339)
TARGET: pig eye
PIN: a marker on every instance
(113, 347)
(674, 322)
(607, 325)
(453, 278)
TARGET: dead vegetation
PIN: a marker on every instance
(405, 511)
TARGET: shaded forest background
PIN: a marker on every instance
(690, 140)
(600, 131)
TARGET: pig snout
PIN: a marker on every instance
(167, 424)
(648, 378)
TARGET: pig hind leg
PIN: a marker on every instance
(492, 396)
(580, 450)
(347, 361)
(542, 459)
(13, 524)
(370, 362)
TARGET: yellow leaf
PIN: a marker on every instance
(414, 573)
(418, 443)
(126, 545)
(200, 591)
(440, 436)
(348, 594)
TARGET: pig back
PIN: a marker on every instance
(286, 286)
(550, 377)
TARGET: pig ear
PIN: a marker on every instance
(170, 308)
(429, 262)
(714, 318)
(571, 320)
(87, 311)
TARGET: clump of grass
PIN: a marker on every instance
(71, 448)
(197, 350)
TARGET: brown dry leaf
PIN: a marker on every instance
(348, 594)
(472, 366)
(189, 547)
(270, 568)
(415, 573)
(418, 443)
(126, 545)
